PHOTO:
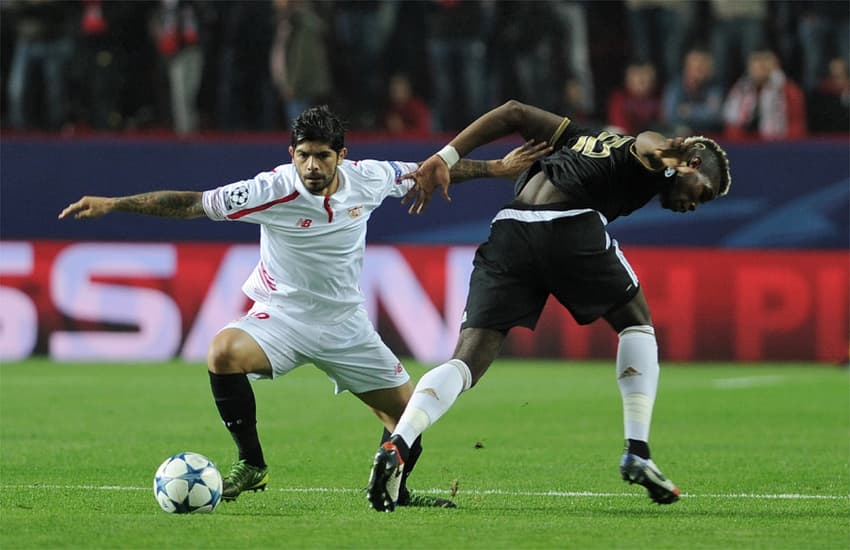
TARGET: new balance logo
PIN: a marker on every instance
(629, 371)
(304, 222)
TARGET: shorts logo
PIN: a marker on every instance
(355, 211)
(398, 368)
(304, 222)
(236, 197)
(669, 172)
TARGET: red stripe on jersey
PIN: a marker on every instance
(242, 213)
(328, 208)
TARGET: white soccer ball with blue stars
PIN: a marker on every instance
(187, 483)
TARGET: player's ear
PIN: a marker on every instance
(291, 151)
(695, 162)
(341, 156)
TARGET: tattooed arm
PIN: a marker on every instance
(467, 169)
(166, 204)
(508, 167)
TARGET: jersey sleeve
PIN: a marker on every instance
(400, 187)
(244, 200)
(568, 130)
(388, 176)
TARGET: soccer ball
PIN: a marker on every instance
(187, 483)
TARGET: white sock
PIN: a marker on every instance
(435, 393)
(637, 376)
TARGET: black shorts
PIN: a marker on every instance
(535, 251)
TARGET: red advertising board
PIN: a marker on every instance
(98, 301)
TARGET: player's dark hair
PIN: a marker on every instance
(319, 124)
(715, 166)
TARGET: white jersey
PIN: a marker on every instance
(311, 246)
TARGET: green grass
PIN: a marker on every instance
(760, 453)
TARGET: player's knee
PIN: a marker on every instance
(226, 355)
(634, 313)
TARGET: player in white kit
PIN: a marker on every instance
(308, 307)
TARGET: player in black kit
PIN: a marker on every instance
(552, 239)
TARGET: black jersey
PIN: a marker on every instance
(598, 170)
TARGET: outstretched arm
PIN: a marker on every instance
(167, 204)
(513, 117)
(508, 167)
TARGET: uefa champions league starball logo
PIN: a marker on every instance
(238, 196)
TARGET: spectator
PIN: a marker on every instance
(574, 102)
(43, 42)
(658, 32)
(738, 28)
(572, 20)
(693, 103)
(406, 113)
(362, 30)
(636, 105)
(829, 104)
(101, 65)
(764, 102)
(523, 61)
(300, 65)
(245, 97)
(177, 29)
(824, 31)
(457, 51)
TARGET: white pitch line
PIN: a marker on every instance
(474, 492)
(747, 382)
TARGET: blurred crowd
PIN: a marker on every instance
(757, 69)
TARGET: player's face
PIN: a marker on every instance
(689, 190)
(317, 164)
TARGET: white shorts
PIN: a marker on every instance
(351, 353)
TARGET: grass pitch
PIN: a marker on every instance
(760, 453)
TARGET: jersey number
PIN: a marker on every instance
(601, 145)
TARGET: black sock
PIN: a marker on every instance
(412, 456)
(238, 410)
(636, 447)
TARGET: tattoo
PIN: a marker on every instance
(466, 169)
(167, 204)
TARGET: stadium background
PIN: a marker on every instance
(759, 275)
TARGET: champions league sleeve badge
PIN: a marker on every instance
(236, 198)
